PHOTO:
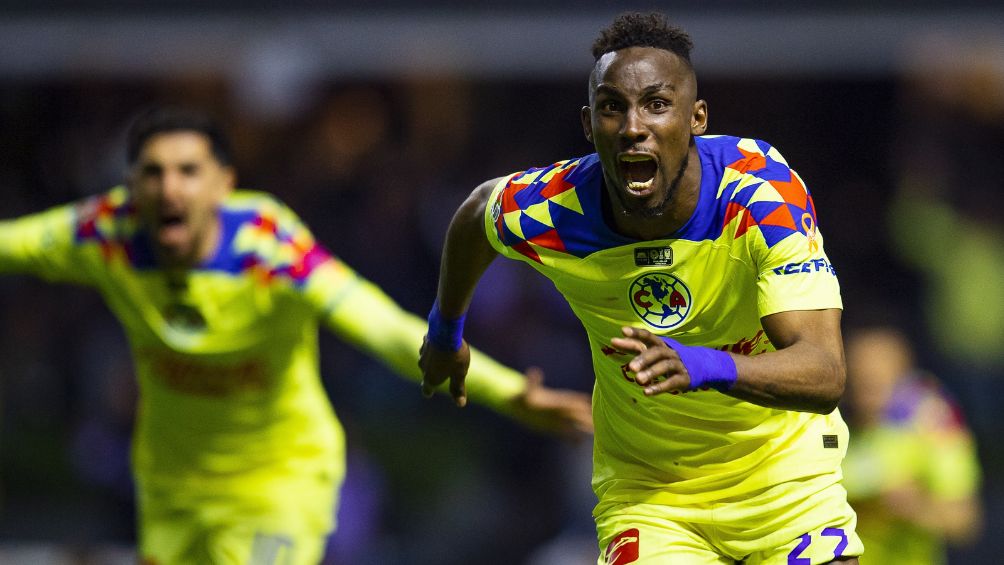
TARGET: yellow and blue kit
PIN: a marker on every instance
(751, 248)
(236, 448)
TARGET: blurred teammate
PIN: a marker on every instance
(712, 312)
(911, 471)
(237, 452)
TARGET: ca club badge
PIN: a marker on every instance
(660, 300)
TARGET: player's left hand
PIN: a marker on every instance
(565, 413)
(438, 365)
(656, 366)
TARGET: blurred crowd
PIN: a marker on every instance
(905, 172)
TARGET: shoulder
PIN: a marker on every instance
(925, 404)
(263, 212)
(536, 189)
(264, 234)
(757, 187)
(555, 209)
(104, 217)
(745, 156)
(253, 202)
(534, 185)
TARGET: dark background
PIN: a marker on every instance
(373, 121)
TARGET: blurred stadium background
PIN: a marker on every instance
(373, 120)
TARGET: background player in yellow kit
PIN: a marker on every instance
(911, 471)
(712, 312)
(237, 452)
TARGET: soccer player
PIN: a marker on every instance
(912, 471)
(237, 452)
(713, 315)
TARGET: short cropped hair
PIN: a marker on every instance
(636, 29)
(166, 119)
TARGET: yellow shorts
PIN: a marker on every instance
(286, 523)
(806, 522)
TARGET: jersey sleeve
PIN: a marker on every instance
(362, 314)
(366, 317)
(46, 244)
(793, 271)
(495, 218)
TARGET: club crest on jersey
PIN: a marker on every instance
(660, 300)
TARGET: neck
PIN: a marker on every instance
(210, 241)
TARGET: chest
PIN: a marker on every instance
(205, 312)
(666, 286)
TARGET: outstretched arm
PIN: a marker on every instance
(363, 315)
(44, 244)
(466, 255)
(806, 373)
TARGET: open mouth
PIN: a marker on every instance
(638, 171)
(169, 220)
(171, 226)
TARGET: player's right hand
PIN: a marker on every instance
(657, 366)
(438, 365)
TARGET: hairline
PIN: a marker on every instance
(593, 84)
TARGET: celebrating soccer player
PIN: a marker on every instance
(697, 268)
(237, 452)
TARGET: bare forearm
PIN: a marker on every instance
(802, 377)
(806, 373)
(466, 254)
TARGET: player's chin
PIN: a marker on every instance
(175, 251)
(651, 206)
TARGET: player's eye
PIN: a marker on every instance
(611, 106)
(658, 105)
(150, 171)
(189, 169)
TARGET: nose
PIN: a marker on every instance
(170, 184)
(634, 128)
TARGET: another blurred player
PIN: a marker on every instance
(911, 471)
(237, 452)
(713, 314)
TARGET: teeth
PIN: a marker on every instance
(635, 158)
(639, 185)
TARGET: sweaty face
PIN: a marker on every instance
(642, 114)
(177, 185)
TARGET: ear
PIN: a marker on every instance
(586, 115)
(699, 119)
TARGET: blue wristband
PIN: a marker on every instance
(707, 367)
(445, 334)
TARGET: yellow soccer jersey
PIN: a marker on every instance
(227, 358)
(227, 361)
(750, 249)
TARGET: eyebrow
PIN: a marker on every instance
(607, 88)
(659, 86)
(644, 92)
